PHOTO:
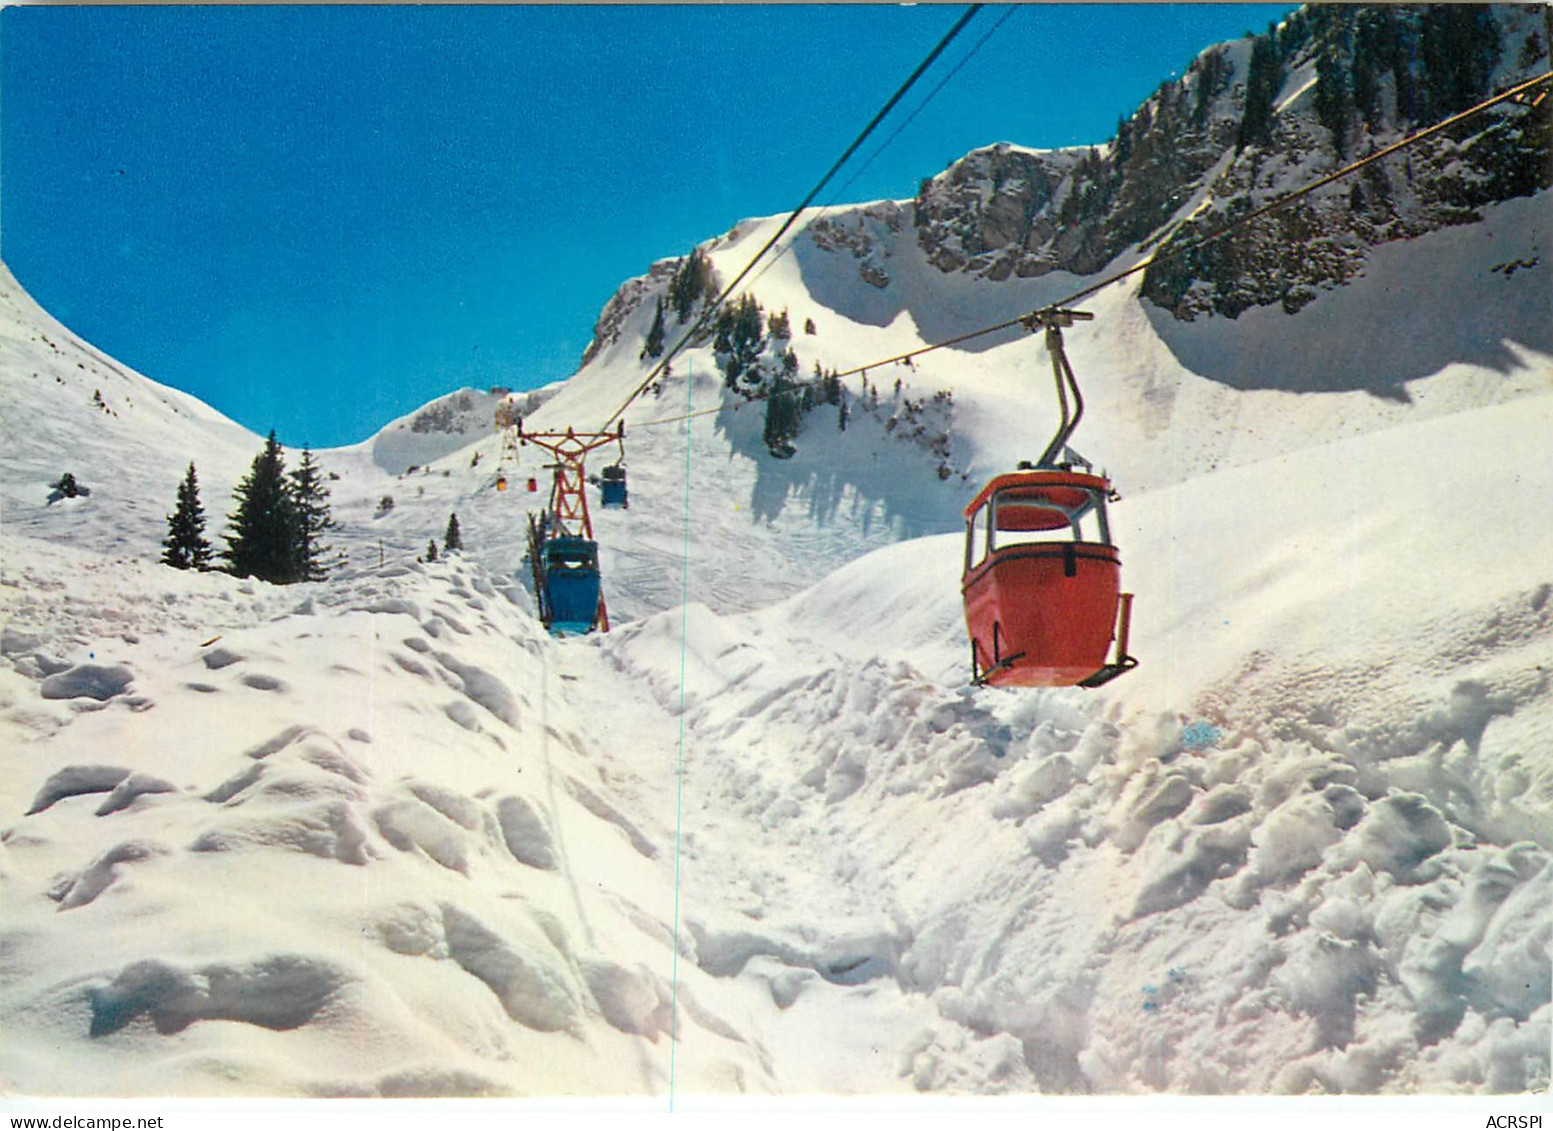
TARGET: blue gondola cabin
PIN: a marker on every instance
(572, 591)
(612, 484)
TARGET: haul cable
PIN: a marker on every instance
(1163, 255)
(1240, 221)
(885, 144)
(857, 142)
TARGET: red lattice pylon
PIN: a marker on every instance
(568, 494)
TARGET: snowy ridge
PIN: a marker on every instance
(68, 408)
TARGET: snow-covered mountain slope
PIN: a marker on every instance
(1305, 846)
(1440, 321)
(383, 836)
(125, 438)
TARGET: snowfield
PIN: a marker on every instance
(382, 836)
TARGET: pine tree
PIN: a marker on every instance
(1376, 46)
(263, 539)
(654, 346)
(1332, 101)
(1263, 78)
(740, 338)
(693, 280)
(747, 323)
(783, 414)
(310, 507)
(1460, 46)
(1122, 148)
(185, 546)
(833, 391)
(431, 550)
(1213, 76)
(454, 538)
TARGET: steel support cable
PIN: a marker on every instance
(857, 142)
(1239, 221)
(863, 168)
(1319, 183)
(1170, 253)
(945, 81)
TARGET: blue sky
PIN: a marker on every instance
(318, 218)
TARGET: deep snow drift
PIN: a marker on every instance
(381, 835)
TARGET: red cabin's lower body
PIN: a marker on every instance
(1043, 614)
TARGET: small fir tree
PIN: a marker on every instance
(1263, 78)
(654, 346)
(263, 538)
(431, 550)
(310, 506)
(1333, 103)
(693, 280)
(454, 538)
(185, 546)
(1121, 149)
(784, 418)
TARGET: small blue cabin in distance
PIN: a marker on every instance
(612, 483)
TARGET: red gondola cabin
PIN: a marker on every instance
(1042, 610)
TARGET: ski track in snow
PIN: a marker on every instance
(382, 836)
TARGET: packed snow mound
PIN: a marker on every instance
(1301, 848)
(350, 844)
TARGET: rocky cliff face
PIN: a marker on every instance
(858, 233)
(624, 303)
(1248, 122)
